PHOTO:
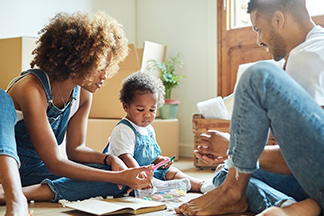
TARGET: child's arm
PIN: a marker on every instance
(129, 160)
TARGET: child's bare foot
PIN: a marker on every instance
(307, 207)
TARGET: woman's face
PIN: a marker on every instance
(97, 79)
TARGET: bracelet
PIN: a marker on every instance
(105, 159)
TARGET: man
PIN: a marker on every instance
(267, 97)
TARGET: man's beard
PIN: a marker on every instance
(278, 46)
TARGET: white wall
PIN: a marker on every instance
(26, 18)
(186, 26)
(189, 27)
(122, 10)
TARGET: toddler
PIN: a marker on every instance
(133, 138)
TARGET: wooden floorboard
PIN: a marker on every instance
(184, 164)
(55, 209)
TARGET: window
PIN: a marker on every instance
(315, 7)
(236, 42)
(240, 18)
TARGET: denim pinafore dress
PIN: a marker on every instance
(32, 169)
(146, 149)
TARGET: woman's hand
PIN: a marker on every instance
(136, 179)
(116, 163)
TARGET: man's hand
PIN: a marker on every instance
(212, 147)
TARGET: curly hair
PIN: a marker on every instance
(76, 45)
(143, 82)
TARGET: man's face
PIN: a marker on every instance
(268, 36)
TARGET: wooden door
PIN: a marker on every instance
(235, 47)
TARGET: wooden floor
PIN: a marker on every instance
(184, 164)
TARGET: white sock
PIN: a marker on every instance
(207, 186)
(287, 202)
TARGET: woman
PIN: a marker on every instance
(74, 56)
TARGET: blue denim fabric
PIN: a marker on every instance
(8, 120)
(34, 171)
(70, 189)
(260, 195)
(267, 97)
(286, 184)
(146, 149)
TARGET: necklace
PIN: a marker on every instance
(61, 94)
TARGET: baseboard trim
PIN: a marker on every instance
(185, 150)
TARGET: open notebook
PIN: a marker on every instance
(124, 205)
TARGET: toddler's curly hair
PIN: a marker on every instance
(144, 82)
(76, 45)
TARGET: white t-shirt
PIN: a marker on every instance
(306, 64)
(122, 139)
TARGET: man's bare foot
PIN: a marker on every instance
(217, 201)
(307, 207)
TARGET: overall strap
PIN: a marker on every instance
(149, 131)
(42, 76)
(124, 121)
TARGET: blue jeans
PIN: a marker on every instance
(267, 97)
(260, 195)
(8, 120)
(70, 189)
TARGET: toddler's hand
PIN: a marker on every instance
(163, 158)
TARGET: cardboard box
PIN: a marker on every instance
(167, 134)
(201, 125)
(105, 102)
(15, 57)
(151, 51)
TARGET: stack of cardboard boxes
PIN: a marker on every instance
(15, 57)
(106, 110)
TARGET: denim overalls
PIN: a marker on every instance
(33, 170)
(146, 149)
